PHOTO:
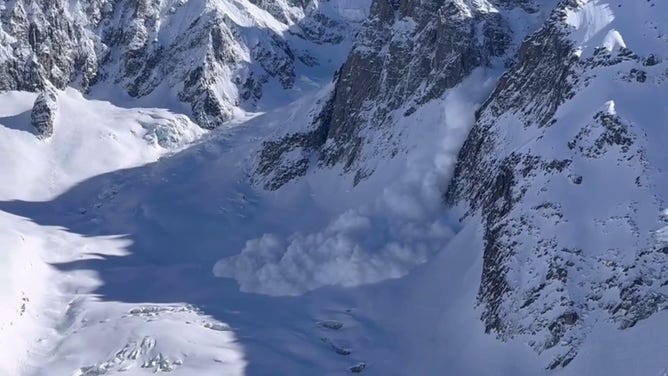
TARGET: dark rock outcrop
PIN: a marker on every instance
(43, 114)
(191, 52)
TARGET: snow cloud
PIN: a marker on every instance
(401, 227)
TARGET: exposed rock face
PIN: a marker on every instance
(407, 53)
(563, 167)
(532, 169)
(44, 112)
(214, 55)
(387, 70)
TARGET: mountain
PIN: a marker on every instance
(327, 187)
(206, 58)
(408, 53)
(563, 165)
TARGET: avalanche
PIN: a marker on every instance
(134, 241)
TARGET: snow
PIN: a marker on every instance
(17, 270)
(55, 309)
(90, 138)
(617, 23)
(589, 20)
(613, 41)
(119, 238)
(609, 108)
(118, 229)
(388, 236)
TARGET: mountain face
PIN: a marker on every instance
(406, 54)
(472, 187)
(42, 116)
(562, 166)
(214, 56)
(531, 167)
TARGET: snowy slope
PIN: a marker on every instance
(158, 249)
(90, 138)
(53, 325)
(210, 59)
(566, 166)
(136, 243)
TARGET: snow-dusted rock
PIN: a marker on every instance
(561, 183)
(42, 116)
(407, 54)
(562, 165)
(564, 168)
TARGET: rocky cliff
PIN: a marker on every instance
(562, 167)
(406, 54)
(215, 56)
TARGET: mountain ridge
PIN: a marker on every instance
(478, 187)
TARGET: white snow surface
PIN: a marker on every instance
(90, 138)
(398, 227)
(618, 23)
(113, 229)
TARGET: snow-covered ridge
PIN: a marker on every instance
(210, 59)
(89, 138)
(564, 166)
(597, 24)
